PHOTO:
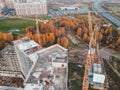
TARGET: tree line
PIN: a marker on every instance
(48, 34)
(106, 35)
(55, 31)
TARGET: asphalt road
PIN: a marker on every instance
(105, 14)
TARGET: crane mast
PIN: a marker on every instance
(90, 54)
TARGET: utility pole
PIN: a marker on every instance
(64, 2)
(37, 29)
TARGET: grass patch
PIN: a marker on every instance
(13, 24)
(76, 84)
(114, 8)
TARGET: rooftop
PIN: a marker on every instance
(11, 82)
(98, 78)
(97, 68)
(50, 69)
(3, 66)
(9, 49)
(27, 46)
(69, 7)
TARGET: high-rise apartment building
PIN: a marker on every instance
(30, 7)
(27, 7)
(8, 3)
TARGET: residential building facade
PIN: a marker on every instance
(30, 7)
(27, 7)
(8, 3)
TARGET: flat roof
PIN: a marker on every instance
(27, 45)
(98, 78)
(97, 68)
(69, 7)
(11, 81)
(43, 72)
(33, 57)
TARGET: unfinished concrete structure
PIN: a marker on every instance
(50, 72)
(24, 49)
(40, 68)
(11, 77)
(10, 58)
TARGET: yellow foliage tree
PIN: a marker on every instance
(118, 41)
(79, 31)
(51, 27)
(51, 37)
(100, 36)
(85, 37)
(64, 42)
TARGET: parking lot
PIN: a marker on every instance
(52, 13)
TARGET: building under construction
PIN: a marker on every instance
(29, 66)
(24, 49)
(10, 57)
(11, 77)
(50, 71)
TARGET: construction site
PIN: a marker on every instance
(38, 68)
(25, 64)
(94, 74)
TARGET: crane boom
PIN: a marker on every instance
(88, 56)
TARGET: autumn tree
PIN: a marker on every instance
(100, 36)
(20, 36)
(72, 25)
(59, 41)
(118, 41)
(35, 37)
(64, 42)
(5, 37)
(44, 39)
(51, 37)
(85, 37)
(79, 31)
(85, 29)
(10, 37)
(51, 26)
(47, 38)
(43, 28)
(110, 29)
(62, 30)
(64, 23)
(102, 31)
(1, 35)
